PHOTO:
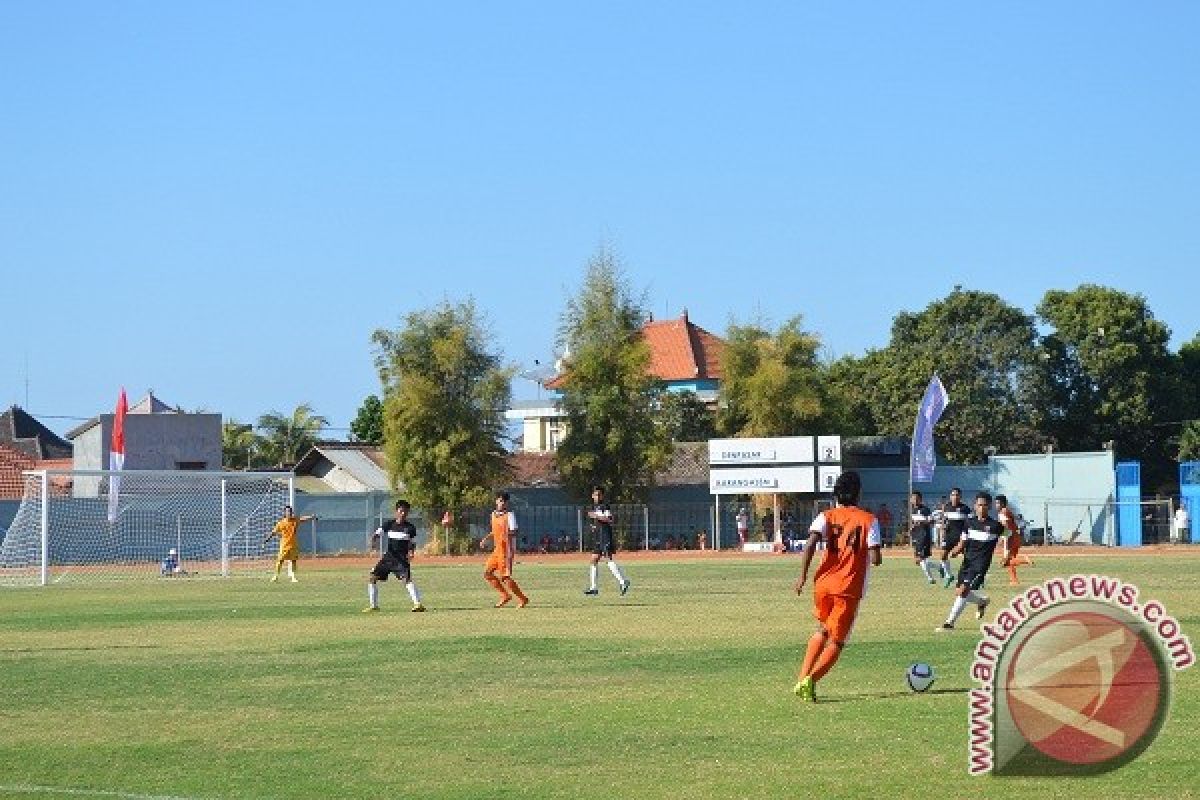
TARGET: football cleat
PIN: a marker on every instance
(418, 607)
(625, 588)
(591, 591)
(370, 609)
(979, 612)
(945, 626)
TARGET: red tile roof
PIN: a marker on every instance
(679, 351)
(12, 464)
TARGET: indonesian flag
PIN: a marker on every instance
(116, 455)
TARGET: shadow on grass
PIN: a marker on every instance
(850, 698)
(80, 648)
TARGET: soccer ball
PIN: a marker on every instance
(919, 676)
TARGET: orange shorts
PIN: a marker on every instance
(498, 562)
(836, 612)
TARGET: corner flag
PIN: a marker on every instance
(932, 405)
(116, 455)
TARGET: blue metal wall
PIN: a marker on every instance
(1129, 490)
(1189, 491)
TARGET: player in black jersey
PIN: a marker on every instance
(604, 543)
(919, 519)
(401, 542)
(956, 515)
(976, 547)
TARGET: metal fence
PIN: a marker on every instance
(345, 522)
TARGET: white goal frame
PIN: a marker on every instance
(1070, 520)
(121, 524)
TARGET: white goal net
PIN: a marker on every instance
(102, 525)
(1108, 523)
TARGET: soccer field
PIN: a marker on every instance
(209, 688)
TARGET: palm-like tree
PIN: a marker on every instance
(240, 445)
(288, 437)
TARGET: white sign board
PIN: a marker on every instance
(764, 480)
(829, 449)
(779, 450)
(826, 477)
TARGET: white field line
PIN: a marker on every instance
(61, 790)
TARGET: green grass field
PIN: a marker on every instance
(238, 688)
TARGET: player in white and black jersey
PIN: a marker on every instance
(919, 520)
(976, 546)
(604, 544)
(401, 542)
(956, 515)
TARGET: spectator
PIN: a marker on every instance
(743, 525)
(170, 565)
(885, 524)
(1182, 533)
(702, 540)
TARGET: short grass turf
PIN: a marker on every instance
(209, 688)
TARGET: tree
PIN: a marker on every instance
(771, 384)
(985, 352)
(287, 437)
(608, 396)
(445, 390)
(1189, 441)
(1109, 375)
(685, 418)
(241, 447)
(367, 426)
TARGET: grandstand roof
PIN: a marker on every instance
(20, 431)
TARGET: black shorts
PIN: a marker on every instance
(392, 566)
(971, 574)
(922, 542)
(950, 540)
(605, 545)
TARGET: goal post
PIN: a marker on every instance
(84, 525)
(1100, 522)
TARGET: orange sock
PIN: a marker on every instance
(829, 657)
(516, 590)
(815, 644)
(1012, 572)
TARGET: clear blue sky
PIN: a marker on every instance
(221, 200)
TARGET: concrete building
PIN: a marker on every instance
(341, 467)
(157, 436)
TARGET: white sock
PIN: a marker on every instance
(291, 570)
(592, 577)
(373, 594)
(945, 569)
(413, 593)
(616, 571)
(925, 568)
(959, 604)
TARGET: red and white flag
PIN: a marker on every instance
(116, 455)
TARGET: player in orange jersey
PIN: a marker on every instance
(289, 550)
(504, 539)
(852, 539)
(1012, 542)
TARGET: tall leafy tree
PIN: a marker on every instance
(287, 437)
(985, 351)
(685, 417)
(445, 391)
(1109, 375)
(772, 381)
(367, 426)
(608, 395)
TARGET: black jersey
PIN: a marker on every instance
(401, 538)
(981, 538)
(603, 526)
(920, 517)
(957, 515)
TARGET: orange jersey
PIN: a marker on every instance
(286, 528)
(848, 533)
(504, 524)
(1010, 524)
